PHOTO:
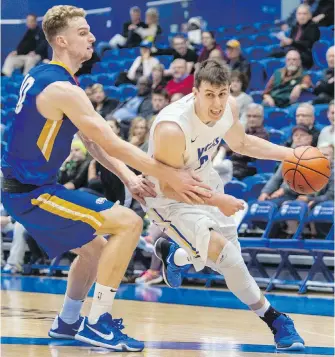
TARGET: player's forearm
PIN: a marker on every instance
(110, 163)
(137, 159)
(262, 149)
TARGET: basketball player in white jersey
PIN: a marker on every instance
(186, 134)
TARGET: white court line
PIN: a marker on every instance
(164, 2)
(40, 18)
(316, 333)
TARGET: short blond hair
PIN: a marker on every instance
(57, 17)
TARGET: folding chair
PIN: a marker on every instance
(321, 213)
(259, 211)
(289, 211)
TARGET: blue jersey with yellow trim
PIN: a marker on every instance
(37, 146)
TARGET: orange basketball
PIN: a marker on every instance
(307, 170)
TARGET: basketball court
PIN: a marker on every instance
(186, 322)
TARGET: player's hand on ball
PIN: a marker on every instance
(141, 187)
(229, 205)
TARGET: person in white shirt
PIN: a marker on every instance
(186, 134)
(326, 136)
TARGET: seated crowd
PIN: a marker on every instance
(155, 86)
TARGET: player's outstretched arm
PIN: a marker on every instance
(64, 98)
(250, 145)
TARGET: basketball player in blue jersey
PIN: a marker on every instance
(50, 110)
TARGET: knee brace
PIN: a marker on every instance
(231, 265)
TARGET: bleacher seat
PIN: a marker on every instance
(276, 136)
(127, 91)
(315, 76)
(112, 92)
(321, 114)
(13, 87)
(235, 188)
(289, 211)
(327, 33)
(257, 80)
(254, 190)
(10, 101)
(265, 165)
(276, 118)
(255, 52)
(271, 65)
(263, 39)
(100, 67)
(106, 79)
(322, 213)
(319, 53)
(86, 80)
(257, 96)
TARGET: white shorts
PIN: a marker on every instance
(189, 226)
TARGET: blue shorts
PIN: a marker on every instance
(58, 219)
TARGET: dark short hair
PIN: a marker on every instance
(212, 33)
(180, 36)
(241, 77)
(213, 71)
(32, 15)
(161, 92)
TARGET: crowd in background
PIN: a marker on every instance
(157, 86)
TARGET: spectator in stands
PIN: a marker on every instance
(32, 49)
(138, 133)
(326, 136)
(327, 193)
(255, 126)
(285, 85)
(102, 104)
(157, 77)
(324, 13)
(140, 105)
(73, 173)
(134, 23)
(193, 29)
(159, 100)
(209, 44)
(324, 89)
(142, 66)
(147, 33)
(291, 20)
(179, 50)
(89, 93)
(176, 97)
(217, 54)
(302, 37)
(305, 115)
(182, 81)
(238, 87)
(276, 189)
(236, 60)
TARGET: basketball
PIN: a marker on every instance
(307, 171)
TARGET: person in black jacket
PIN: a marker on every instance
(302, 37)
(32, 49)
(324, 13)
(120, 40)
(102, 104)
(235, 59)
(324, 88)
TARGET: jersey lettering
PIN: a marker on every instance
(27, 83)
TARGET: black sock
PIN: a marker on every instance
(165, 248)
(271, 315)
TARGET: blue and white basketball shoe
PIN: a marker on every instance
(164, 251)
(60, 329)
(106, 332)
(285, 335)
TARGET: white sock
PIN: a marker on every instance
(71, 310)
(102, 302)
(261, 312)
(181, 257)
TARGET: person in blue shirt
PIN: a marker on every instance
(51, 109)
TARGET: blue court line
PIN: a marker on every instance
(183, 296)
(167, 345)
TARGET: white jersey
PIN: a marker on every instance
(202, 142)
